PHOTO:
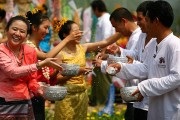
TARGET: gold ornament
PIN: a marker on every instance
(34, 11)
(57, 24)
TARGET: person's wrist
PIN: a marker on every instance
(38, 66)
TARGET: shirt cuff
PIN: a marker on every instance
(33, 67)
(121, 64)
(121, 50)
(141, 89)
(104, 66)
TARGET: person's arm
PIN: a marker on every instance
(136, 70)
(10, 68)
(103, 43)
(159, 86)
(52, 53)
(32, 83)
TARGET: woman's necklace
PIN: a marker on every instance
(18, 57)
(71, 52)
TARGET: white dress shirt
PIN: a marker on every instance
(162, 68)
(132, 41)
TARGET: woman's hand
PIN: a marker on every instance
(113, 49)
(97, 62)
(101, 56)
(75, 35)
(50, 62)
(84, 70)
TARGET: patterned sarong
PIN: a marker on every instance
(16, 110)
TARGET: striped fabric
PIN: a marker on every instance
(16, 110)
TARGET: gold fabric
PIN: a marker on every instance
(74, 105)
(77, 57)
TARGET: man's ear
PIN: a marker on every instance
(124, 20)
(156, 20)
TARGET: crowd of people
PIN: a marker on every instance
(153, 53)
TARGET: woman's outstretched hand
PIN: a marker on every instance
(51, 63)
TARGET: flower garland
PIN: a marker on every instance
(46, 72)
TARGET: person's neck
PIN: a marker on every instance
(71, 47)
(132, 27)
(163, 33)
(34, 40)
(148, 38)
(101, 14)
(14, 49)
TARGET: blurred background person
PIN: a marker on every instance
(2, 25)
(101, 83)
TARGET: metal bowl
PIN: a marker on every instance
(126, 94)
(54, 93)
(70, 69)
(115, 59)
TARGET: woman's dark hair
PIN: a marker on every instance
(143, 7)
(65, 29)
(162, 10)
(98, 5)
(120, 13)
(2, 13)
(18, 17)
(35, 18)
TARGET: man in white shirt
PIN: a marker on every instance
(162, 69)
(140, 53)
(104, 28)
(123, 22)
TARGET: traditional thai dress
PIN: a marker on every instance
(38, 102)
(74, 105)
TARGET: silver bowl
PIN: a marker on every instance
(115, 59)
(70, 69)
(126, 94)
(54, 93)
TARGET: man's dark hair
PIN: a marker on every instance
(143, 7)
(120, 13)
(98, 5)
(161, 10)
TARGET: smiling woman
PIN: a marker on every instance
(39, 24)
(18, 66)
(74, 105)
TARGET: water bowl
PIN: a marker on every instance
(70, 69)
(54, 93)
(115, 59)
(126, 94)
